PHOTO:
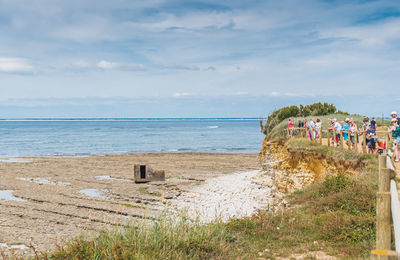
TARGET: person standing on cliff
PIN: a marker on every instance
(305, 126)
(373, 123)
(394, 115)
(395, 131)
(290, 127)
(310, 126)
(346, 126)
(371, 139)
(317, 128)
(354, 132)
(337, 127)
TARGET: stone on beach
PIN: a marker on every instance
(228, 196)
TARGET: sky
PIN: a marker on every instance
(170, 58)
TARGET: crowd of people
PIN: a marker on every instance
(351, 132)
(311, 127)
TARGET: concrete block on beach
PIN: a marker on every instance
(144, 173)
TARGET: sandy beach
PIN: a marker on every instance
(44, 201)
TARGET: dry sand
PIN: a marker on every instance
(58, 198)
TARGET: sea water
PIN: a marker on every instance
(85, 137)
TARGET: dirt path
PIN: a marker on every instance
(46, 200)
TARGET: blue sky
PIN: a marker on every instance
(70, 58)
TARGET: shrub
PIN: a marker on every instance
(316, 109)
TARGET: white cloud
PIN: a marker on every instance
(241, 93)
(107, 65)
(370, 35)
(184, 94)
(194, 21)
(15, 65)
(275, 94)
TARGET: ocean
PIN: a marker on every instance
(85, 137)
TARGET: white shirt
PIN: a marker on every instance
(337, 127)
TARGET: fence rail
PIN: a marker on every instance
(387, 210)
(337, 138)
(387, 197)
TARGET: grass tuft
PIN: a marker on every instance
(165, 238)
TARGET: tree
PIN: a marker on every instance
(316, 109)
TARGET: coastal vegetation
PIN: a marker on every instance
(316, 109)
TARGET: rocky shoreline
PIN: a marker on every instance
(231, 196)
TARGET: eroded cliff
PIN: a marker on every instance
(296, 168)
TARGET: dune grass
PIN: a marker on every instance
(304, 144)
(164, 238)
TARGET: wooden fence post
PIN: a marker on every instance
(341, 139)
(389, 145)
(383, 211)
(383, 214)
(349, 140)
(328, 135)
(383, 225)
(320, 135)
(381, 166)
(334, 137)
(364, 145)
(356, 141)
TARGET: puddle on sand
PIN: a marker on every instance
(45, 181)
(8, 195)
(21, 247)
(95, 193)
(15, 160)
(108, 178)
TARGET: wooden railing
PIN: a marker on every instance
(387, 210)
(387, 197)
(359, 137)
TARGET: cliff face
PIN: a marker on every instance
(295, 169)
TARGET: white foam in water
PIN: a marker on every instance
(21, 247)
(108, 178)
(8, 195)
(45, 181)
(93, 193)
(212, 126)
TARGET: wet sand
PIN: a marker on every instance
(58, 198)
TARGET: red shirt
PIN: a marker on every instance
(290, 124)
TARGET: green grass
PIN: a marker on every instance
(165, 238)
(336, 216)
(303, 144)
